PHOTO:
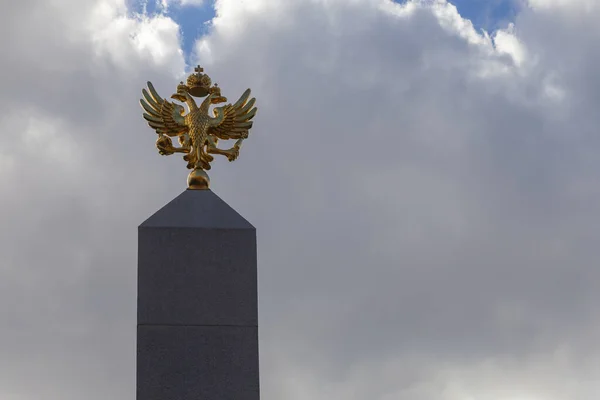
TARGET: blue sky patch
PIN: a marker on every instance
(488, 14)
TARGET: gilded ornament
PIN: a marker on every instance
(197, 132)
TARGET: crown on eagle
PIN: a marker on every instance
(216, 90)
(198, 84)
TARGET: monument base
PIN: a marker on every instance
(197, 329)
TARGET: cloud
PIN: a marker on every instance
(70, 152)
(166, 4)
(575, 5)
(425, 194)
(191, 2)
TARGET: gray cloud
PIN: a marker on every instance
(426, 204)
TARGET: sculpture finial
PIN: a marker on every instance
(197, 132)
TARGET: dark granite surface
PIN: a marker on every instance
(197, 302)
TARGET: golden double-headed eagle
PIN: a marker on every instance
(198, 133)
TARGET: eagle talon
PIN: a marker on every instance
(164, 145)
(232, 154)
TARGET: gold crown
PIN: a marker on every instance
(198, 83)
(216, 90)
(182, 87)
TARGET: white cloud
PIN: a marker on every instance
(426, 195)
(507, 42)
(120, 39)
(586, 5)
(193, 3)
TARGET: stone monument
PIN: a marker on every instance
(197, 332)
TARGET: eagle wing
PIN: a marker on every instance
(162, 115)
(236, 118)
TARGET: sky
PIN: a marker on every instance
(489, 15)
(194, 16)
(423, 176)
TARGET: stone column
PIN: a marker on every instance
(197, 332)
